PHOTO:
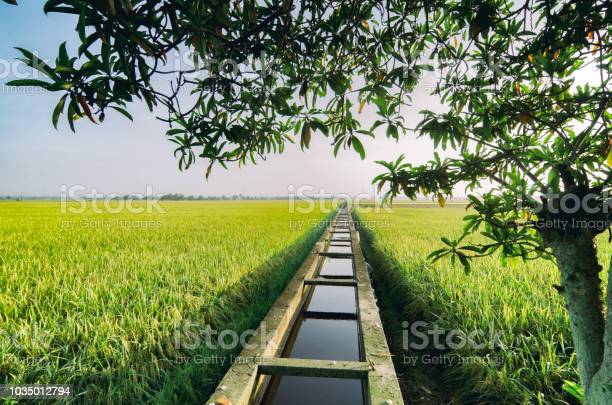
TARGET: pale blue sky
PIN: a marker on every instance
(123, 157)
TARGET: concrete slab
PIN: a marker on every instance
(246, 382)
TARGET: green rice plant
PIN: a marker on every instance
(95, 299)
(516, 299)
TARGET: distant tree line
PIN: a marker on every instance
(181, 197)
(165, 197)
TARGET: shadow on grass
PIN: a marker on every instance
(420, 383)
(440, 376)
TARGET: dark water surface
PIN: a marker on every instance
(339, 249)
(337, 267)
(324, 339)
(326, 298)
(315, 391)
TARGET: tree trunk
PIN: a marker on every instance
(581, 287)
(600, 391)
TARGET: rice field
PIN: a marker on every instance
(95, 299)
(518, 300)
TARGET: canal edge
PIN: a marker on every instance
(245, 381)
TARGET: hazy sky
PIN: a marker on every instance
(123, 157)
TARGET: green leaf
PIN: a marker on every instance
(486, 126)
(573, 389)
(29, 82)
(446, 241)
(337, 147)
(437, 254)
(58, 110)
(306, 135)
(554, 179)
(392, 131)
(338, 83)
(465, 261)
(358, 146)
(72, 111)
(11, 2)
(472, 249)
(63, 58)
(124, 112)
(318, 125)
(175, 131)
(50, 5)
(36, 63)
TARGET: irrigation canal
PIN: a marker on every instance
(322, 342)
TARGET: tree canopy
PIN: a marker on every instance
(239, 77)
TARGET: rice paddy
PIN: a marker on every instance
(517, 300)
(95, 299)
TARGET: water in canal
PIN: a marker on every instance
(327, 329)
